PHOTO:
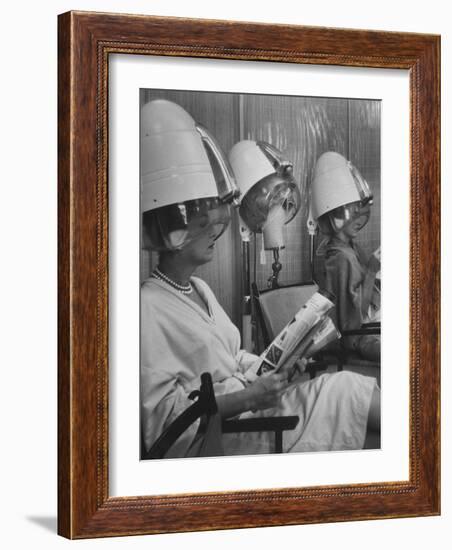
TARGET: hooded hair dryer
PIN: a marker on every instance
(270, 197)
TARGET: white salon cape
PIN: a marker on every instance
(180, 341)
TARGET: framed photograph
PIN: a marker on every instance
(195, 187)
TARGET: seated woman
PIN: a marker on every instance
(185, 331)
(341, 203)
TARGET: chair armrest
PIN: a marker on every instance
(270, 424)
(371, 328)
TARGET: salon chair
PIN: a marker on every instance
(275, 307)
(208, 441)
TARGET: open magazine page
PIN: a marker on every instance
(308, 332)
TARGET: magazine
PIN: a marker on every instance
(308, 332)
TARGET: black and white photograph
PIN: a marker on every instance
(224, 235)
(260, 274)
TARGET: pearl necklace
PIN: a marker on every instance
(184, 289)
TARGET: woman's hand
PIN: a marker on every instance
(266, 391)
(374, 264)
(263, 393)
(373, 267)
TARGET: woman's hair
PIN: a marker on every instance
(148, 228)
(333, 221)
(325, 225)
(153, 234)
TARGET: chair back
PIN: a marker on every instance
(278, 306)
(208, 439)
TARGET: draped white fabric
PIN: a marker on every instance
(180, 341)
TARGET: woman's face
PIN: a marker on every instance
(358, 215)
(352, 229)
(201, 248)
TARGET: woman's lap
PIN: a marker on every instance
(332, 410)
